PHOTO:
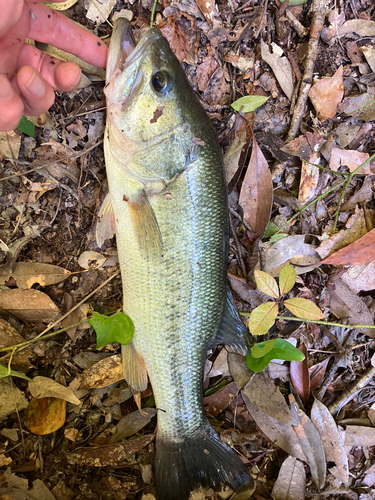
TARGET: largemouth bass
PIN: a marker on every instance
(169, 204)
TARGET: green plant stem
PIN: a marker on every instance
(36, 339)
(153, 13)
(329, 323)
(343, 174)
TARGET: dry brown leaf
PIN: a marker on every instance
(346, 305)
(362, 27)
(317, 372)
(369, 54)
(11, 398)
(26, 274)
(103, 373)
(280, 65)
(352, 160)
(360, 278)
(238, 369)
(44, 387)
(29, 305)
(91, 260)
(220, 365)
(333, 444)
(282, 435)
(220, 400)
(257, 192)
(363, 195)
(300, 377)
(45, 415)
(10, 337)
(180, 36)
(359, 252)
(233, 154)
(132, 423)
(206, 69)
(291, 482)
(326, 94)
(263, 392)
(245, 292)
(208, 9)
(108, 455)
(10, 143)
(310, 442)
(357, 435)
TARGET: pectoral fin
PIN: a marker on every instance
(134, 368)
(106, 224)
(146, 227)
(232, 331)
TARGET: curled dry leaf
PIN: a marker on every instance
(11, 398)
(310, 442)
(360, 278)
(10, 337)
(333, 444)
(29, 305)
(280, 66)
(299, 374)
(238, 369)
(326, 95)
(362, 27)
(359, 252)
(26, 274)
(257, 192)
(44, 387)
(103, 373)
(46, 415)
(90, 259)
(291, 482)
(132, 423)
(352, 160)
(220, 400)
(108, 455)
(317, 372)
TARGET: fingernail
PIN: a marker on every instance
(36, 85)
(6, 90)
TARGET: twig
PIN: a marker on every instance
(318, 10)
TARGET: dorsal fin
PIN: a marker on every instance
(106, 224)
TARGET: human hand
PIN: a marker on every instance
(27, 75)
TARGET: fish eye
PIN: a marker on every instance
(161, 82)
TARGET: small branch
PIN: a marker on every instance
(328, 323)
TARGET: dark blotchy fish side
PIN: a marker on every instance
(169, 204)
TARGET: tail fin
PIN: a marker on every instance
(200, 460)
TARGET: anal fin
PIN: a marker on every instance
(146, 227)
(232, 331)
(106, 224)
(134, 368)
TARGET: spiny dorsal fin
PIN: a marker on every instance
(134, 368)
(106, 224)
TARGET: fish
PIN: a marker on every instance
(168, 205)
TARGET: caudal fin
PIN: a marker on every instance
(200, 460)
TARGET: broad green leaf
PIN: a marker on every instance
(287, 279)
(303, 308)
(5, 372)
(262, 318)
(266, 284)
(277, 237)
(116, 328)
(280, 349)
(271, 229)
(263, 348)
(26, 127)
(249, 103)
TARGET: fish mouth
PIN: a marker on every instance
(123, 50)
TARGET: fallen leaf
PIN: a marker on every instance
(317, 372)
(91, 260)
(363, 195)
(352, 160)
(310, 442)
(208, 9)
(206, 69)
(26, 274)
(280, 66)
(220, 365)
(360, 278)
(40, 491)
(357, 435)
(291, 481)
(245, 292)
(98, 13)
(257, 192)
(358, 252)
(360, 106)
(45, 415)
(238, 369)
(29, 305)
(333, 444)
(263, 393)
(10, 337)
(369, 54)
(132, 423)
(10, 143)
(299, 375)
(326, 94)
(180, 35)
(282, 435)
(108, 455)
(44, 387)
(220, 400)
(362, 27)
(309, 182)
(11, 398)
(103, 373)
(303, 308)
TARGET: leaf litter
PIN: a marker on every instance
(300, 199)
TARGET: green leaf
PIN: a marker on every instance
(116, 328)
(266, 284)
(27, 127)
(262, 318)
(277, 237)
(249, 103)
(287, 279)
(5, 372)
(273, 349)
(303, 308)
(271, 229)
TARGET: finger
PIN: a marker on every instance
(49, 26)
(12, 42)
(36, 93)
(63, 76)
(11, 13)
(11, 106)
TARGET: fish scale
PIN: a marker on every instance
(169, 203)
